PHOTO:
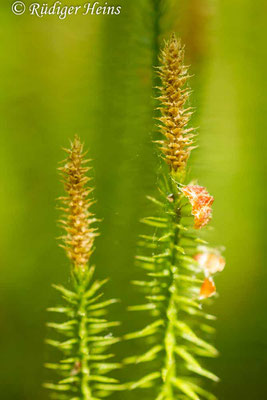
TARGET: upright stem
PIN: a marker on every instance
(170, 336)
(83, 347)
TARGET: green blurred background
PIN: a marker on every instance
(92, 75)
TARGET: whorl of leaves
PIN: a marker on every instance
(83, 337)
(177, 323)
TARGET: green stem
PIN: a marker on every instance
(170, 337)
(85, 389)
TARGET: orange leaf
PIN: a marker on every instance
(207, 289)
(201, 202)
(210, 262)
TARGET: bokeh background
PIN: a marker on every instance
(93, 76)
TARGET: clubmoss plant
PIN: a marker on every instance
(82, 335)
(179, 263)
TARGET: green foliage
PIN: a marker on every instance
(83, 337)
(177, 323)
